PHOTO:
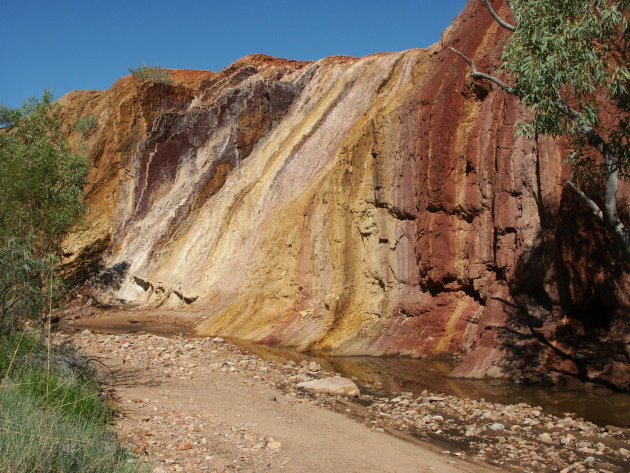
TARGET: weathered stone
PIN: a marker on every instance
(378, 205)
(331, 385)
(116, 360)
(570, 468)
(185, 446)
(613, 428)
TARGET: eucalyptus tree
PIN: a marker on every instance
(41, 198)
(568, 61)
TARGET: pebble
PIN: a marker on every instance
(569, 468)
(185, 446)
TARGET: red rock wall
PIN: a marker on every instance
(365, 206)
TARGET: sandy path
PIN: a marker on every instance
(313, 439)
(195, 405)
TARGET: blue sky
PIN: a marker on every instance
(67, 45)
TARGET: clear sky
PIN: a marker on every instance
(68, 44)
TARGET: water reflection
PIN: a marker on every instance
(394, 375)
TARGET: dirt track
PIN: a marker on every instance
(195, 405)
(202, 405)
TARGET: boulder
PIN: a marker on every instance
(335, 385)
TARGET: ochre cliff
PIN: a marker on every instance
(377, 205)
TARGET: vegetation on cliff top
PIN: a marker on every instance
(568, 60)
(146, 73)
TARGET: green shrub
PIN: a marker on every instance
(41, 198)
(146, 73)
(85, 124)
(52, 416)
(33, 440)
(8, 116)
(60, 380)
(15, 347)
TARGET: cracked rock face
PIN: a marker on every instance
(377, 205)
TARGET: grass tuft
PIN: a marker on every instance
(53, 418)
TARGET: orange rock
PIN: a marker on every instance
(185, 446)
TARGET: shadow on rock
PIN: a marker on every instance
(568, 313)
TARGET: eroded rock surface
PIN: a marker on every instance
(378, 205)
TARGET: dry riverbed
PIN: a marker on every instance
(205, 405)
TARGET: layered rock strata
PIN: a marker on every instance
(378, 205)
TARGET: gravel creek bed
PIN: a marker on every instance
(519, 437)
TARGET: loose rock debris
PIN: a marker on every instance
(182, 437)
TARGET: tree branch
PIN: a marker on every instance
(610, 216)
(611, 221)
(6, 309)
(590, 133)
(480, 75)
(589, 202)
(503, 23)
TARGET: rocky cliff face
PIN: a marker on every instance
(377, 205)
